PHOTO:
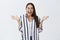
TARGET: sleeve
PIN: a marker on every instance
(21, 27)
(39, 29)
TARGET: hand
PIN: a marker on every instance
(15, 17)
(45, 17)
(41, 21)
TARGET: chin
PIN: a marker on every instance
(29, 14)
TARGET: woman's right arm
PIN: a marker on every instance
(17, 19)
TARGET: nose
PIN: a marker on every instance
(29, 10)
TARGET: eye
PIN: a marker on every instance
(28, 8)
(31, 7)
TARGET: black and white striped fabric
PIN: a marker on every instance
(25, 31)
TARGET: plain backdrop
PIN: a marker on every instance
(9, 27)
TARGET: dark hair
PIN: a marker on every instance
(34, 14)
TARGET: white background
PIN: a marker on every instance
(9, 28)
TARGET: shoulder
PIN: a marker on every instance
(22, 16)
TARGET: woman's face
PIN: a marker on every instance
(29, 10)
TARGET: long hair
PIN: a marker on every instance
(34, 14)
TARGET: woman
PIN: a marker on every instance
(30, 24)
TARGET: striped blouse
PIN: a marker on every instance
(29, 29)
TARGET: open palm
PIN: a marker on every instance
(15, 17)
(45, 17)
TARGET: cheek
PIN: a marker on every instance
(32, 10)
(27, 10)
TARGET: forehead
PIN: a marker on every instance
(30, 6)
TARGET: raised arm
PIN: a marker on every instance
(17, 19)
(42, 20)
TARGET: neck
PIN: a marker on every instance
(29, 16)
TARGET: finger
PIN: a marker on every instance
(13, 17)
(47, 17)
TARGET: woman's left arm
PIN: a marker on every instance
(42, 20)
